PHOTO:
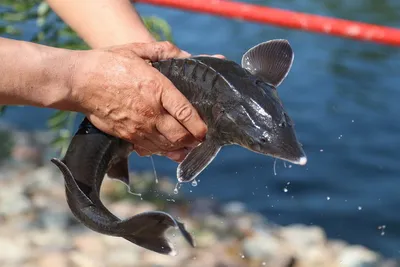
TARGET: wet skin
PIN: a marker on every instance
(240, 106)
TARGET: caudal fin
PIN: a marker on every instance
(148, 230)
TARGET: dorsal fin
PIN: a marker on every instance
(270, 61)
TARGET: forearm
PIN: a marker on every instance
(103, 23)
(35, 75)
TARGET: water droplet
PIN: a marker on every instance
(328, 198)
(382, 228)
(359, 208)
(340, 136)
(177, 187)
(154, 169)
(285, 190)
(321, 150)
(352, 120)
(194, 183)
(275, 167)
(290, 166)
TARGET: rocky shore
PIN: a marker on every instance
(38, 229)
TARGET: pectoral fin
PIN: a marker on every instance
(270, 61)
(119, 170)
(197, 160)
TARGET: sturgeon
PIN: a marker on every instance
(239, 104)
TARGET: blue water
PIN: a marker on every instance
(343, 96)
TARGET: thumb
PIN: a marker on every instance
(158, 51)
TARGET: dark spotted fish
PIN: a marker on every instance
(240, 106)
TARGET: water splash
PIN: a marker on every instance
(382, 228)
(129, 189)
(154, 169)
(275, 167)
(194, 183)
(177, 187)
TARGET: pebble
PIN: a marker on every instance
(38, 229)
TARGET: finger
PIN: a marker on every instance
(146, 147)
(180, 108)
(158, 50)
(144, 152)
(216, 55)
(178, 155)
(176, 134)
(163, 143)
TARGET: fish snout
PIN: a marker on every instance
(288, 149)
(293, 153)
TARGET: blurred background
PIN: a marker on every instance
(343, 97)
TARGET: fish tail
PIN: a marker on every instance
(70, 183)
(148, 230)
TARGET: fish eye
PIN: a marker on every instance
(263, 140)
(285, 121)
(259, 82)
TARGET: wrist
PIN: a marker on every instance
(57, 74)
(37, 75)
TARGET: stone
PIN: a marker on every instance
(122, 257)
(14, 250)
(13, 201)
(358, 256)
(79, 259)
(52, 259)
(205, 238)
(233, 208)
(54, 239)
(303, 237)
(266, 247)
(90, 244)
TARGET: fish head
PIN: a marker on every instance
(261, 124)
(268, 129)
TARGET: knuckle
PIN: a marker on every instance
(184, 113)
(127, 136)
(142, 152)
(168, 46)
(149, 84)
(183, 138)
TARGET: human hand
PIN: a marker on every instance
(124, 96)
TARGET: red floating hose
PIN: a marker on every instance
(289, 19)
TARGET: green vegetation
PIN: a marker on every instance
(45, 27)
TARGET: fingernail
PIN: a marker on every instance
(185, 53)
(172, 155)
(219, 56)
(193, 144)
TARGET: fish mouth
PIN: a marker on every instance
(300, 158)
(300, 161)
